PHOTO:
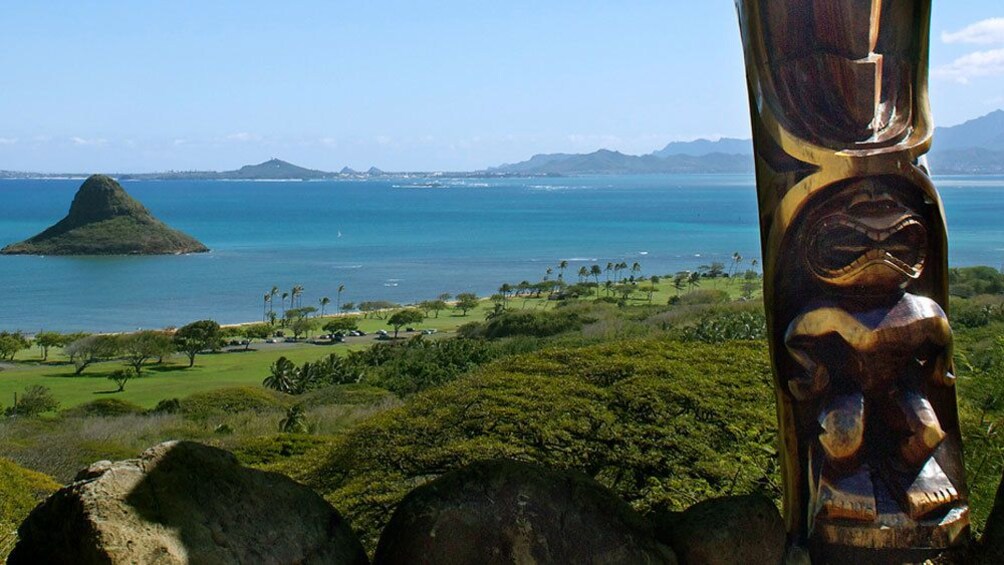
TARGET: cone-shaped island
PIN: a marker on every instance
(105, 220)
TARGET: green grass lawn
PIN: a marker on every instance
(173, 379)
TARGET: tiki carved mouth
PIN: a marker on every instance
(845, 247)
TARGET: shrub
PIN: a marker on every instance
(351, 394)
(168, 406)
(704, 296)
(267, 450)
(534, 323)
(11, 343)
(230, 400)
(36, 400)
(726, 326)
(103, 407)
(418, 364)
(971, 281)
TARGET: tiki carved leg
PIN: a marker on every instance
(845, 485)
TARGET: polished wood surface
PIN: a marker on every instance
(855, 252)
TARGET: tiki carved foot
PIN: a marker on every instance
(851, 497)
(925, 492)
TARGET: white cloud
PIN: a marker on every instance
(978, 64)
(84, 142)
(984, 32)
(179, 142)
(244, 136)
(8, 140)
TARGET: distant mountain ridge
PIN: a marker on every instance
(273, 169)
(974, 147)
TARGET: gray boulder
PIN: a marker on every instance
(515, 513)
(184, 502)
(725, 531)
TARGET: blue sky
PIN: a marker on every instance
(404, 85)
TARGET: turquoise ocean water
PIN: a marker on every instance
(391, 239)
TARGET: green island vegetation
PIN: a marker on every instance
(659, 387)
(104, 220)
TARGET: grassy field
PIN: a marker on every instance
(174, 379)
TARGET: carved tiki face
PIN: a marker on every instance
(868, 238)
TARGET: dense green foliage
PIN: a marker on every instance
(971, 281)
(285, 377)
(35, 400)
(534, 323)
(725, 326)
(419, 363)
(230, 400)
(662, 423)
(103, 407)
(11, 343)
(197, 337)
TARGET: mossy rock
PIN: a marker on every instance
(508, 512)
(20, 491)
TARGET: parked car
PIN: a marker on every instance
(429, 331)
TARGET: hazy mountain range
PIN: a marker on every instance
(975, 147)
(972, 148)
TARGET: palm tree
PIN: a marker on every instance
(736, 260)
(635, 269)
(282, 376)
(294, 422)
(264, 307)
(694, 280)
(272, 294)
(285, 295)
(596, 271)
(324, 304)
(561, 268)
(547, 273)
(505, 289)
(610, 267)
(680, 281)
(297, 295)
(338, 297)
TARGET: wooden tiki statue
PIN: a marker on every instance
(854, 248)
